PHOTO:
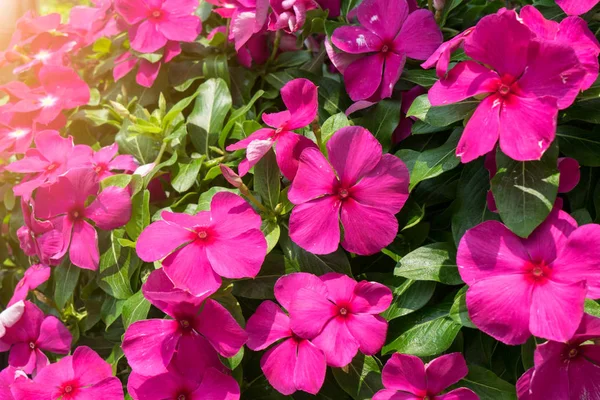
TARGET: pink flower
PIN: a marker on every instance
(154, 23)
(534, 286)
(404, 128)
(8, 376)
(248, 17)
(46, 49)
(92, 23)
(301, 98)
(441, 57)
(38, 238)
(147, 72)
(31, 334)
(294, 363)
(106, 160)
(572, 32)
(33, 277)
(29, 26)
(64, 203)
(406, 377)
(530, 82)
(289, 15)
(11, 316)
(82, 376)
(60, 89)
(200, 249)
(576, 7)
(333, 6)
(53, 156)
(388, 34)
(199, 324)
(339, 315)
(358, 185)
(15, 140)
(569, 370)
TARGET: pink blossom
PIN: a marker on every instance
(333, 6)
(8, 376)
(154, 23)
(289, 15)
(147, 71)
(92, 23)
(301, 98)
(248, 17)
(33, 277)
(11, 316)
(407, 377)
(36, 237)
(572, 32)
(404, 128)
(441, 57)
(15, 139)
(569, 370)
(530, 82)
(31, 334)
(46, 49)
(82, 376)
(534, 286)
(53, 156)
(200, 249)
(388, 34)
(199, 324)
(64, 203)
(106, 160)
(576, 7)
(358, 185)
(60, 89)
(294, 363)
(339, 315)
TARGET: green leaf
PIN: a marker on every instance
(140, 214)
(582, 145)
(421, 77)
(348, 5)
(233, 362)
(206, 197)
(487, 384)
(261, 287)
(117, 265)
(433, 262)
(236, 116)
(66, 276)
(427, 332)
(409, 297)
(111, 310)
(431, 163)
(135, 309)
(382, 120)
(525, 191)
(592, 307)
(115, 355)
(186, 174)
(361, 379)
(272, 232)
(267, 180)
(470, 206)
(331, 126)
(440, 116)
(458, 311)
(304, 261)
(178, 109)
(209, 112)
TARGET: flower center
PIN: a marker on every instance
(18, 133)
(51, 167)
(202, 235)
(537, 272)
(48, 101)
(343, 193)
(343, 311)
(76, 214)
(185, 324)
(156, 14)
(42, 55)
(32, 345)
(181, 397)
(99, 168)
(573, 353)
(385, 48)
(279, 130)
(68, 389)
(504, 89)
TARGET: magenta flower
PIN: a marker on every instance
(388, 34)
(404, 128)
(441, 57)
(147, 72)
(572, 32)
(31, 334)
(534, 286)
(154, 23)
(92, 23)
(530, 82)
(11, 316)
(106, 160)
(576, 7)
(339, 315)
(248, 18)
(53, 156)
(8, 376)
(294, 363)
(64, 203)
(569, 370)
(289, 15)
(334, 7)
(15, 139)
(198, 324)
(200, 249)
(60, 89)
(33, 277)
(38, 238)
(405, 377)
(301, 98)
(358, 185)
(82, 376)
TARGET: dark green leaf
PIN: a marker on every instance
(382, 120)
(304, 261)
(66, 276)
(458, 311)
(421, 77)
(487, 384)
(361, 379)
(261, 287)
(186, 174)
(409, 297)
(117, 265)
(443, 115)
(433, 262)
(267, 180)
(135, 309)
(140, 214)
(206, 197)
(582, 145)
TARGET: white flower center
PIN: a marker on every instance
(48, 101)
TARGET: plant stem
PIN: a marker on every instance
(160, 153)
(317, 131)
(430, 5)
(275, 46)
(257, 203)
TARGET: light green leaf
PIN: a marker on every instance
(458, 311)
(135, 309)
(186, 174)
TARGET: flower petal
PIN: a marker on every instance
(361, 86)
(368, 330)
(289, 148)
(146, 38)
(161, 238)
(217, 386)
(266, 326)
(337, 343)
(83, 251)
(190, 269)
(238, 257)
(459, 394)
(353, 152)
(217, 325)
(315, 226)
(300, 96)
(576, 7)
(314, 177)
(89, 367)
(383, 18)
(482, 131)
(569, 174)
(278, 365)
(406, 373)
(466, 79)
(548, 239)
(310, 312)
(111, 209)
(310, 369)
(371, 298)
(445, 371)
(232, 215)
(420, 35)
(356, 40)
(149, 345)
(287, 286)
(54, 336)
